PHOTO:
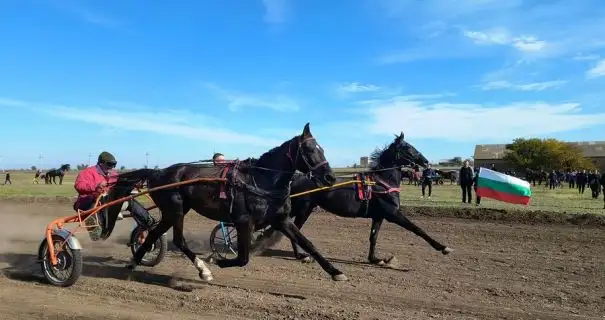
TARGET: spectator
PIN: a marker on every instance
(466, 182)
(7, 178)
(581, 180)
(493, 168)
(427, 180)
(552, 179)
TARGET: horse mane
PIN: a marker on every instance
(382, 155)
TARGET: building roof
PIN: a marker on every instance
(590, 149)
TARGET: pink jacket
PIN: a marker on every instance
(88, 180)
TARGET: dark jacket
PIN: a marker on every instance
(581, 178)
(427, 175)
(466, 176)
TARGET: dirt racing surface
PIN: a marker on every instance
(499, 270)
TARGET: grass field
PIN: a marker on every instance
(560, 200)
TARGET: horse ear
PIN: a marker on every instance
(402, 136)
(306, 131)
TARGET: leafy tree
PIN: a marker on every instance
(33, 168)
(546, 154)
(122, 168)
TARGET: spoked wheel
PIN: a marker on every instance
(158, 250)
(69, 266)
(223, 240)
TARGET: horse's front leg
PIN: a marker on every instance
(288, 228)
(243, 226)
(299, 222)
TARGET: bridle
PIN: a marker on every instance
(310, 168)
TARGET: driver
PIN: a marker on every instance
(91, 182)
(218, 158)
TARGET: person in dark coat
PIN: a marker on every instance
(552, 180)
(493, 168)
(7, 179)
(603, 186)
(581, 180)
(427, 180)
(466, 182)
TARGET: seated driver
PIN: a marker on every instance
(91, 182)
(218, 158)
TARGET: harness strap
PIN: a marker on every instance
(223, 186)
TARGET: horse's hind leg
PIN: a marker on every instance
(376, 223)
(154, 234)
(299, 222)
(402, 221)
(244, 234)
(291, 231)
(179, 241)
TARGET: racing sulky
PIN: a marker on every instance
(378, 202)
(252, 194)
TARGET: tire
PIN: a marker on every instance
(158, 250)
(218, 244)
(68, 258)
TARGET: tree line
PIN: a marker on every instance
(546, 154)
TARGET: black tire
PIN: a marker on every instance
(68, 259)
(157, 252)
(218, 244)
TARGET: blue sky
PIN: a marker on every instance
(182, 80)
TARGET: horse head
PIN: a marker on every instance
(65, 167)
(399, 153)
(307, 156)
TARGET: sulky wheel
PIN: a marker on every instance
(157, 252)
(69, 267)
(223, 240)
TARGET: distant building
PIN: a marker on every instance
(364, 162)
(488, 154)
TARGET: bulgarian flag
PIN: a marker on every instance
(499, 186)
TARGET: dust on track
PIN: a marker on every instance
(500, 270)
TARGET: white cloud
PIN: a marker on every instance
(173, 122)
(597, 71)
(356, 87)
(501, 36)
(276, 11)
(473, 122)
(535, 30)
(586, 57)
(534, 86)
(86, 14)
(237, 100)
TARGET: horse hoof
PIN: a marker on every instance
(339, 277)
(391, 262)
(447, 251)
(206, 277)
(306, 260)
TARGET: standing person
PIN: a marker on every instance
(572, 179)
(475, 179)
(493, 168)
(7, 178)
(37, 177)
(466, 182)
(581, 180)
(552, 180)
(427, 180)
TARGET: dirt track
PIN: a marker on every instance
(498, 271)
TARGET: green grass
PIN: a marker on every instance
(446, 195)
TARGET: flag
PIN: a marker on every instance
(499, 186)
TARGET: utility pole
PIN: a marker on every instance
(40, 156)
(1, 167)
(89, 158)
(146, 159)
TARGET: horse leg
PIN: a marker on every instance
(299, 222)
(291, 231)
(376, 223)
(402, 221)
(244, 234)
(179, 241)
(162, 227)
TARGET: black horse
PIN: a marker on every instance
(51, 175)
(256, 195)
(378, 203)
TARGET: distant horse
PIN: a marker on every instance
(451, 175)
(378, 202)
(255, 196)
(410, 174)
(51, 175)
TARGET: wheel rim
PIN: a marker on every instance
(226, 244)
(153, 253)
(63, 270)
